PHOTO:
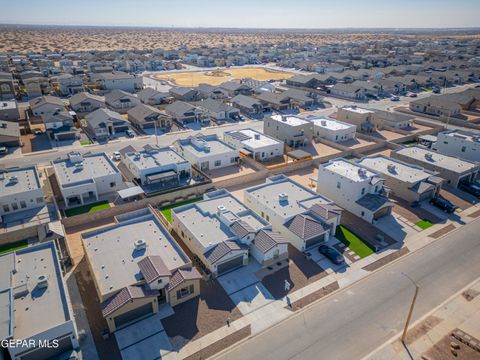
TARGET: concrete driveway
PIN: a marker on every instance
(240, 278)
(396, 226)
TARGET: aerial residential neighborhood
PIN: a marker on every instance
(250, 180)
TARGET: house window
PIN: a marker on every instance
(14, 206)
(113, 184)
(6, 208)
(363, 213)
(23, 204)
(339, 185)
(233, 160)
(183, 292)
(363, 191)
(268, 218)
(263, 214)
(160, 281)
(336, 137)
(464, 148)
(218, 163)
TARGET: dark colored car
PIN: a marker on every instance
(471, 188)
(443, 204)
(331, 254)
(436, 90)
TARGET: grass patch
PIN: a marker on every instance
(90, 208)
(424, 224)
(410, 143)
(83, 143)
(12, 247)
(167, 210)
(354, 243)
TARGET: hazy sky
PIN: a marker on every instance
(245, 13)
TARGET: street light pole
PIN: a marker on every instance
(409, 317)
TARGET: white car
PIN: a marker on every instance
(116, 156)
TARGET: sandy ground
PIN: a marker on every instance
(194, 78)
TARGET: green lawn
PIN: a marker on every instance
(424, 224)
(90, 208)
(167, 210)
(83, 143)
(12, 247)
(354, 243)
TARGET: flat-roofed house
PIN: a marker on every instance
(117, 80)
(354, 188)
(146, 117)
(84, 178)
(9, 133)
(305, 218)
(222, 232)
(207, 152)
(85, 102)
(251, 142)
(292, 130)
(9, 110)
(35, 304)
(409, 182)
(103, 123)
(454, 170)
(137, 267)
(332, 130)
(362, 118)
(121, 101)
(460, 143)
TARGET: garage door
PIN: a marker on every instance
(121, 128)
(315, 241)
(426, 195)
(230, 265)
(382, 212)
(133, 315)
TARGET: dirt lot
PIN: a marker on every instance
(441, 350)
(229, 172)
(382, 151)
(303, 177)
(387, 135)
(356, 143)
(194, 78)
(319, 149)
(33, 143)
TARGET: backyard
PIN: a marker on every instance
(89, 208)
(353, 242)
(167, 210)
(12, 247)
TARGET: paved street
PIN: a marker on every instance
(358, 319)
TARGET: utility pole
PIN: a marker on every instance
(409, 317)
(156, 135)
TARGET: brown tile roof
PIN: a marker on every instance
(305, 226)
(221, 249)
(182, 275)
(124, 296)
(325, 211)
(266, 240)
(152, 267)
(241, 228)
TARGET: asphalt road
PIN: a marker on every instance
(359, 319)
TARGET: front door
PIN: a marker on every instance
(162, 297)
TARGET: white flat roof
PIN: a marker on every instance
(352, 171)
(205, 146)
(357, 109)
(331, 124)
(155, 158)
(289, 119)
(467, 135)
(253, 143)
(26, 180)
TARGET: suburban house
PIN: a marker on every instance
(47, 104)
(84, 178)
(437, 106)
(349, 90)
(362, 118)
(207, 91)
(276, 101)
(253, 143)
(218, 111)
(247, 105)
(354, 188)
(36, 304)
(121, 101)
(393, 119)
(454, 170)
(304, 218)
(85, 102)
(159, 167)
(59, 125)
(9, 133)
(103, 123)
(300, 98)
(138, 268)
(235, 87)
(459, 143)
(185, 113)
(184, 93)
(222, 232)
(7, 86)
(311, 81)
(9, 110)
(292, 130)
(69, 84)
(258, 86)
(332, 130)
(207, 152)
(146, 117)
(409, 182)
(150, 96)
(118, 80)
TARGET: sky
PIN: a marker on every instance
(246, 13)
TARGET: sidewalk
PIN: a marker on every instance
(277, 310)
(431, 337)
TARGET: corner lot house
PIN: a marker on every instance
(147, 117)
(163, 167)
(35, 303)
(459, 143)
(220, 230)
(454, 170)
(85, 102)
(305, 218)
(103, 123)
(253, 143)
(121, 101)
(362, 118)
(207, 152)
(409, 182)
(292, 130)
(9, 133)
(332, 130)
(137, 267)
(355, 188)
(84, 178)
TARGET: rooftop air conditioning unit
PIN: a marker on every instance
(140, 244)
(42, 281)
(257, 136)
(283, 197)
(13, 179)
(429, 156)
(391, 168)
(324, 122)
(221, 208)
(79, 165)
(362, 172)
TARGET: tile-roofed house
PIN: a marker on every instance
(153, 267)
(254, 143)
(145, 116)
(151, 96)
(266, 240)
(306, 227)
(121, 101)
(126, 296)
(247, 105)
(185, 113)
(85, 102)
(218, 111)
(104, 123)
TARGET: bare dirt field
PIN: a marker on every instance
(194, 78)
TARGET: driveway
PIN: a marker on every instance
(460, 198)
(396, 226)
(240, 278)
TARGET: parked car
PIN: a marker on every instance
(331, 254)
(471, 188)
(130, 133)
(37, 131)
(443, 204)
(116, 156)
(3, 150)
(395, 98)
(412, 94)
(436, 90)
